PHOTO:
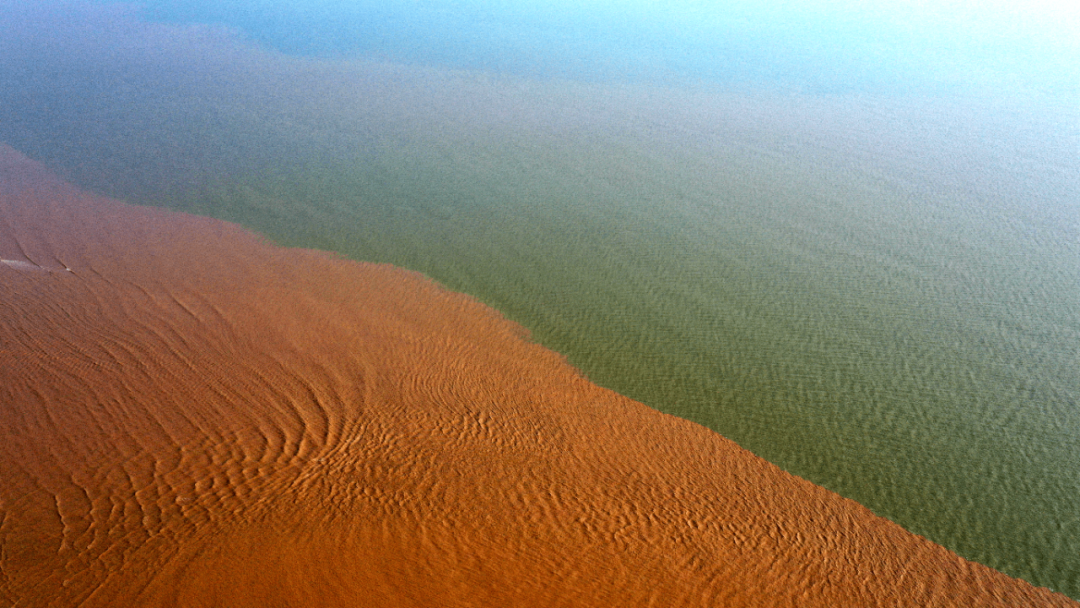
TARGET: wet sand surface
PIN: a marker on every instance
(194, 417)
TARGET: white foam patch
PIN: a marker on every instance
(21, 265)
(30, 266)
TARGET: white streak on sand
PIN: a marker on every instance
(21, 265)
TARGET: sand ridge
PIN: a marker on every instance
(194, 417)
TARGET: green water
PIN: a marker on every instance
(879, 295)
(910, 345)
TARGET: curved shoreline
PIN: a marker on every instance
(196, 417)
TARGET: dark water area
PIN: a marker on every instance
(850, 244)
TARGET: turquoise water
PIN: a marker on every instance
(842, 238)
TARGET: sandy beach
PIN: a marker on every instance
(192, 416)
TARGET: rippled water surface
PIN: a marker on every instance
(873, 286)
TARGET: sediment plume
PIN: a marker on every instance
(191, 416)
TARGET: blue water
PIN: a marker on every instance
(820, 47)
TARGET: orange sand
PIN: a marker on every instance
(193, 417)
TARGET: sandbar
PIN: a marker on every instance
(192, 416)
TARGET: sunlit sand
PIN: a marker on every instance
(197, 418)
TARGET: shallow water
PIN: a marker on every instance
(193, 416)
(873, 290)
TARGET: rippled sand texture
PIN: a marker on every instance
(876, 292)
(192, 417)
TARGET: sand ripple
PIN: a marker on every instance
(193, 417)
